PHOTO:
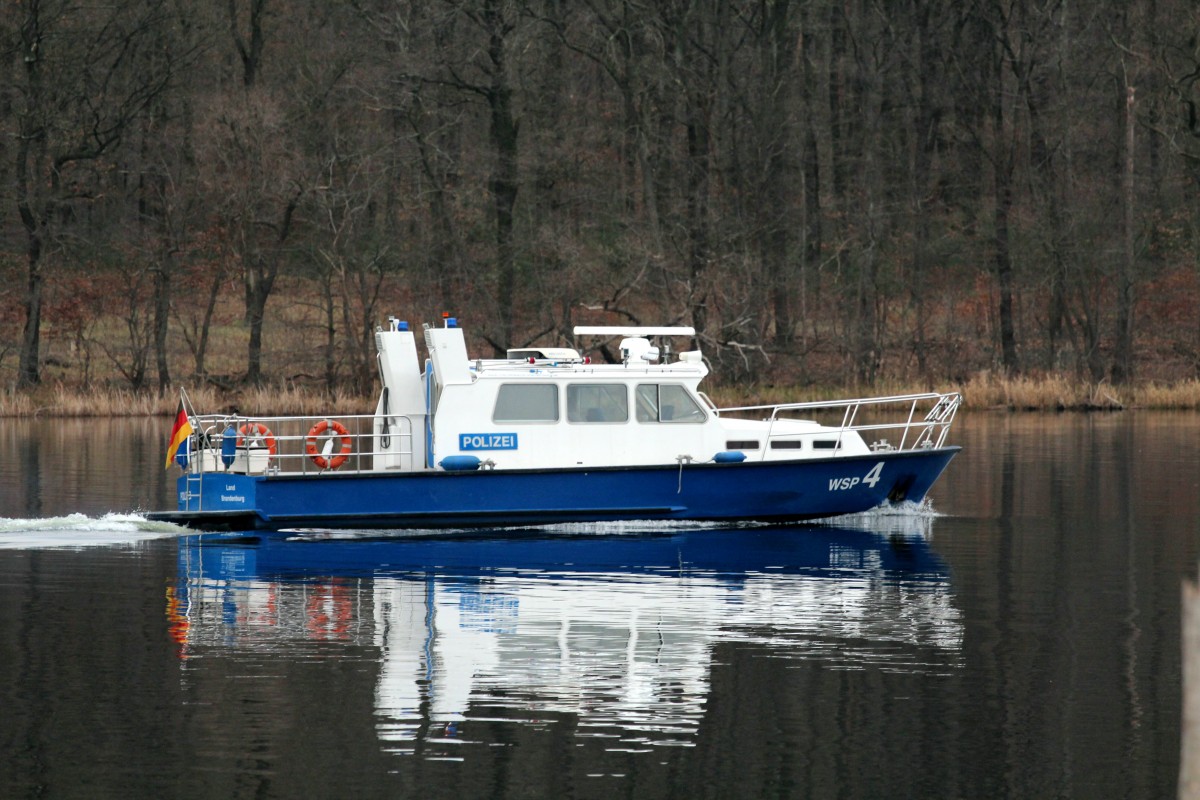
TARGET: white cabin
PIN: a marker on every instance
(551, 408)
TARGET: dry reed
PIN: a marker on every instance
(983, 391)
(61, 401)
(1053, 392)
(1181, 395)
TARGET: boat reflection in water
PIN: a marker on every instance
(613, 624)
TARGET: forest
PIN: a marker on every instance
(829, 191)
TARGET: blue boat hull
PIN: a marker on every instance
(777, 491)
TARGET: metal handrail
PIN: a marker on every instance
(290, 435)
(939, 417)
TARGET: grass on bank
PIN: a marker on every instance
(263, 401)
(987, 391)
(1060, 393)
(983, 392)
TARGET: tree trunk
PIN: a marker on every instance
(29, 368)
(200, 350)
(811, 192)
(31, 157)
(503, 186)
(445, 259)
(1122, 370)
(697, 209)
(330, 330)
(261, 270)
(256, 303)
(778, 46)
(1004, 271)
(249, 50)
(1002, 201)
(162, 310)
(699, 74)
(867, 346)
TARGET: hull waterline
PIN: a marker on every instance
(775, 491)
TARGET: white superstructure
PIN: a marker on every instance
(550, 408)
(553, 408)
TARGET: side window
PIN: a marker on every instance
(597, 402)
(667, 403)
(526, 402)
(647, 402)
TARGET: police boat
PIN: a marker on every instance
(546, 436)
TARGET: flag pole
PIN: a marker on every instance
(187, 402)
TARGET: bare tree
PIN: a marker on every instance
(77, 89)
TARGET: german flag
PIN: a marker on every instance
(179, 433)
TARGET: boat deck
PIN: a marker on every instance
(313, 446)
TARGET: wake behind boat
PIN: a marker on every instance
(547, 436)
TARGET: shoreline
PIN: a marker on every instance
(984, 392)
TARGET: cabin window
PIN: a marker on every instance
(787, 444)
(526, 402)
(825, 444)
(597, 402)
(667, 402)
(741, 444)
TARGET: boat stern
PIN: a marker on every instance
(218, 491)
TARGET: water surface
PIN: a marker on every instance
(1019, 640)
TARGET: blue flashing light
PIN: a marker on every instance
(451, 322)
(401, 325)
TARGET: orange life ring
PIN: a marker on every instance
(310, 444)
(258, 431)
